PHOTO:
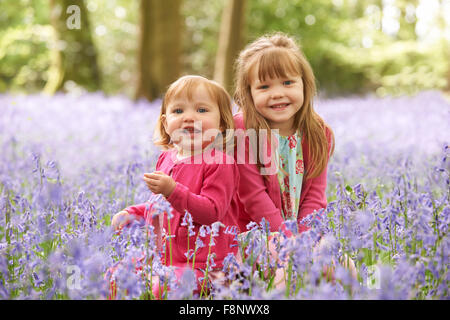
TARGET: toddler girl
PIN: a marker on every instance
(193, 175)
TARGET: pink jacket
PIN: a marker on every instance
(209, 193)
(265, 193)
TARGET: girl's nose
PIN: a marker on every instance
(276, 94)
(189, 116)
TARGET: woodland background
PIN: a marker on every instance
(137, 47)
(78, 107)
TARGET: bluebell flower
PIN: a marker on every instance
(160, 205)
(215, 228)
(204, 230)
(251, 225)
(199, 243)
(187, 221)
(185, 286)
(189, 254)
(69, 197)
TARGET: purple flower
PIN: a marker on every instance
(62, 180)
(199, 243)
(188, 222)
(160, 206)
(185, 286)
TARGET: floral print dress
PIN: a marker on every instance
(290, 173)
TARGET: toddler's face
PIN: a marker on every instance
(277, 100)
(192, 124)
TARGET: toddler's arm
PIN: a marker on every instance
(122, 219)
(218, 188)
(127, 215)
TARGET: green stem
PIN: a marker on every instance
(170, 240)
(374, 252)
(195, 253)
(146, 264)
(289, 279)
(188, 246)
(207, 267)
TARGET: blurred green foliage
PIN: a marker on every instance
(347, 49)
(25, 36)
(342, 39)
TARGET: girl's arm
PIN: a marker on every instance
(253, 192)
(213, 202)
(314, 199)
(313, 195)
(255, 199)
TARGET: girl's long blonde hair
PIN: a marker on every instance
(185, 86)
(278, 55)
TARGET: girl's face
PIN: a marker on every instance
(192, 124)
(277, 100)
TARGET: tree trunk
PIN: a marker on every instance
(74, 57)
(407, 29)
(159, 47)
(447, 88)
(231, 40)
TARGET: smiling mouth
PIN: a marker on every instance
(191, 130)
(279, 106)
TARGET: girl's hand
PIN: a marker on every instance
(159, 182)
(349, 264)
(121, 219)
(328, 272)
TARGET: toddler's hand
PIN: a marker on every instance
(328, 272)
(121, 219)
(349, 264)
(159, 182)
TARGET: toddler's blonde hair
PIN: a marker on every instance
(184, 87)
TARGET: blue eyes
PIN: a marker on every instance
(199, 110)
(285, 83)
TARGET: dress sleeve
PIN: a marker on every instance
(138, 209)
(315, 198)
(213, 201)
(253, 193)
(255, 198)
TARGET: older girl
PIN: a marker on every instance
(275, 86)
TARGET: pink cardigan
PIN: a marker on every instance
(266, 192)
(209, 193)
